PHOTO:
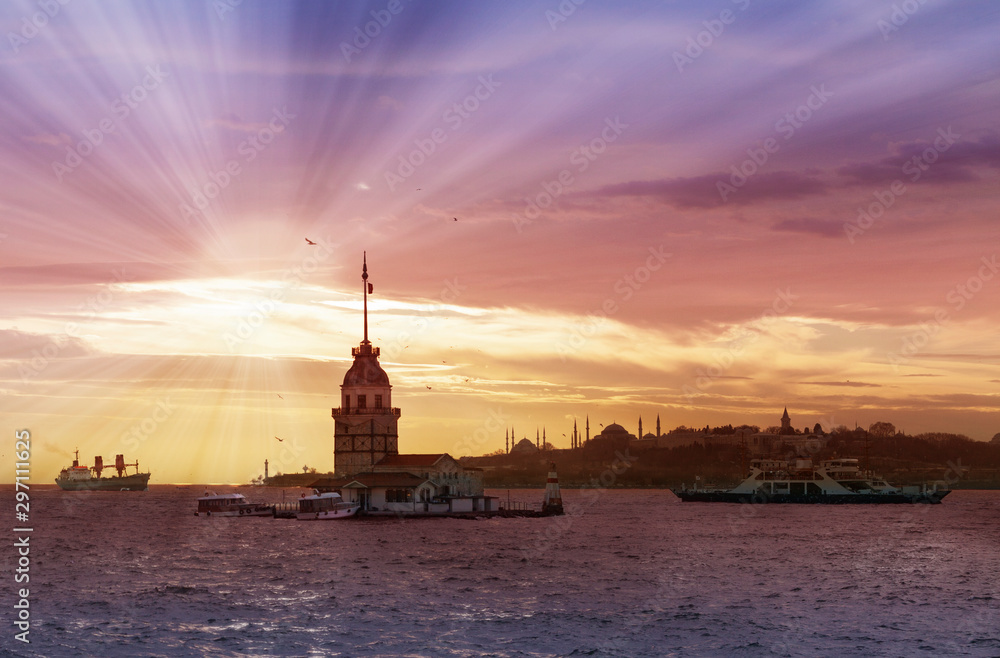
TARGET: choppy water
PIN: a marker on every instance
(630, 573)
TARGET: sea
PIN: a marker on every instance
(623, 573)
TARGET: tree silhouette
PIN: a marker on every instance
(882, 430)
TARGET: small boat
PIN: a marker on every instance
(231, 504)
(834, 481)
(325, 507)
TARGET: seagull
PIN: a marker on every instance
(428, 387)
(279, 395)
(310, 241)
(419, 188)
(279, 439)
(455, 218)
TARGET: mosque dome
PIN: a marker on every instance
(614, 428)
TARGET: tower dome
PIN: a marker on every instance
(366, 370)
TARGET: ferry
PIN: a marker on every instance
(231, 504)
(833, 481)
(325, 507)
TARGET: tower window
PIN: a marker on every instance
(347, 402)
(378, 401)
(362, 402)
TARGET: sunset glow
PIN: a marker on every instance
(706, 212)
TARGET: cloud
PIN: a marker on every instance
(847, 383)
(703, 191)
(955, 164)
(388, 102)
(23, 345)
(48, 139)
(824, 227)
(233, 122)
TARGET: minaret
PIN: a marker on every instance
(506, 441)
(265, 469)
(640, 427)
(588, 429)
(544, 440)
(365, 425)
(657, 425)
(576, 435)
(538, 446)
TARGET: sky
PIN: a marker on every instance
(701, 211)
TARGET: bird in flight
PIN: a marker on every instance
(455, 218)
(428, 387)
(279, 395)
(279, 439)
(310, 241)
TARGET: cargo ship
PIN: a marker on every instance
(834, 481)
(82, 478)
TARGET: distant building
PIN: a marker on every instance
(612, 437)
(524, 447)
(414, 483)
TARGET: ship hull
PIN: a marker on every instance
(932, 498)
(329, 515)
(139, 482)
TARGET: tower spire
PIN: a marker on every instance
(365, 286)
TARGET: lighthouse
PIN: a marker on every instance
(552, 503)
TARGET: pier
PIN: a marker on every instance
(289, 510)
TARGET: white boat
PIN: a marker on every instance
(834, 481)
(230, 504)
(325, 507)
